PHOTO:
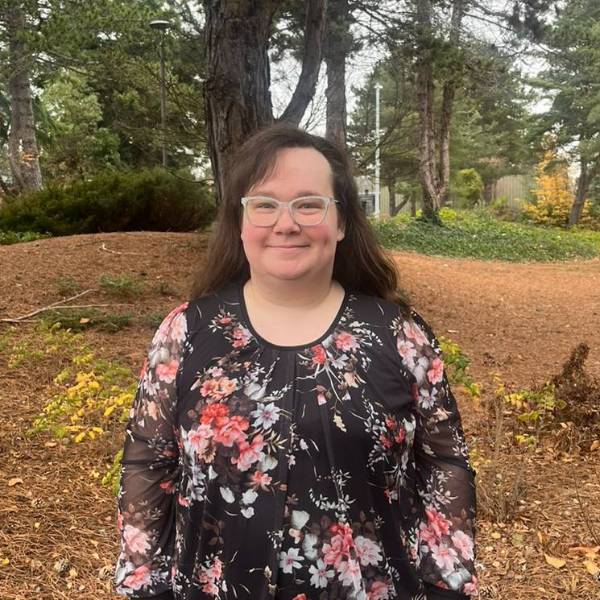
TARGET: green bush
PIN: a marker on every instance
(468, 188)
(147, 200)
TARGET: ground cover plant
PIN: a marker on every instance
(477, 234)
(65, 393)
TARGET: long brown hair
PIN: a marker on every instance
(360, 262)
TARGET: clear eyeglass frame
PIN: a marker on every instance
(290, 206)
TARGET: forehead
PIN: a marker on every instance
(297, 170)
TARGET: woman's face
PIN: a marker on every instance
(287, 251)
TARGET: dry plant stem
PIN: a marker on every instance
(103, 247)
(57, 304)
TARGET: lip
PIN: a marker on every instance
(288, 247)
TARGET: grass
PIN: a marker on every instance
(471, 234)
(15, 237)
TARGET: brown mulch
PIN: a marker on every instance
(57, 531)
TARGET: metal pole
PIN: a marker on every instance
(163, 101)
(377, 153)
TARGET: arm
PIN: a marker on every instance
(146, 507)
(445, 479)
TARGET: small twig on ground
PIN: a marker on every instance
(103, 247)
(57, 304)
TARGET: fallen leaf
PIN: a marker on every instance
(588, 551)
(12, 482)
(595, 445)
(592, 567)
(557, 563)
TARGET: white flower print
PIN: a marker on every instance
(350, 573)
(319, 574)
(290, 560)
(265, 415)
(368, 551)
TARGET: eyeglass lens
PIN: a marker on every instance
(264, 212)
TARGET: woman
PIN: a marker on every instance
(293, 435)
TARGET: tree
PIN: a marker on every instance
(237, 95)
(572, 81)
(22, 142)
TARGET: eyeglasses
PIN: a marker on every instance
(263, 211)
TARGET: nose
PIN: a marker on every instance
(284, 222)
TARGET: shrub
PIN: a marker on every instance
(151, 199)
(468, 188)
(554, 197)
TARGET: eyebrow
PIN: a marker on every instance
(300, 194)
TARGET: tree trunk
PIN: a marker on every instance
(488, 191)
(434, 174)
(22, 144)
(586, 176)
(237, 96)
(314, 31)
(337, 47)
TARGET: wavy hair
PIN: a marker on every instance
(360, 264)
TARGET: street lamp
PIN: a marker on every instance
(161, 26)
(378, 87)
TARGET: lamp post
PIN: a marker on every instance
(161, 26)
(378, 87)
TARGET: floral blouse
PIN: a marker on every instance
(336, 469)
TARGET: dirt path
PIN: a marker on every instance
(519, 319)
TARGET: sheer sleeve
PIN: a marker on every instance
(445, 479)
(146, 508)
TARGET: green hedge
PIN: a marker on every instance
(145, 200)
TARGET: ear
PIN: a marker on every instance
(341, 233)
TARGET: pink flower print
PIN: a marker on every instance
(444, 556)
(199, 438)
(215, 372)
(427, 534)
(406, 349)
(385, 441)
(218, 388)
(379, 591)
(152, 410)
(413, 332)
(225, 320)
(463, 543)
(260, 480)
(471, 587)
(241, 336)
(437, 521)
(350, 573)
(232, 431)
(249, 453)
(350, 378)
(214, 414)
(368, 551)
(168, 487)
(300, 597)
(209, 387)
(211, 589)
(136, 540)
(345, 341)
(139, 578)
(400, 435)
(333, 553)
(436, 373)
(182, 501)
(319, 355)
(166, 372)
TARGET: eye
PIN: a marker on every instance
(307, 205)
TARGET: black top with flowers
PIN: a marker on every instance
(337, 469)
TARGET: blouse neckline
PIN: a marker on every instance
(264, 342)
